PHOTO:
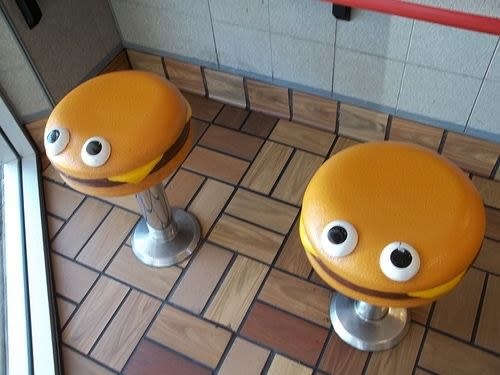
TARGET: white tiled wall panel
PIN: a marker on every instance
(486, 114)
(375, 33)
(246, 13)
(162, 28)
(367, 77)
(303, 19)
(494, 70)
(441, 95)
(451, 49)
(244, 49)
(301, 61)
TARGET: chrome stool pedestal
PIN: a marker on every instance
(164, 236)
(368, 327)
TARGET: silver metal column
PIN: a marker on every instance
(365, 326)
(163, 236)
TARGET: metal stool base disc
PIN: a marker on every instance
(369, 335)
(158, 252)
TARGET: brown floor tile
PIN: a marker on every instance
(269, 99)
(314, 110)
(145, 61)
(53, 226)
(444, 355)
(108, 238)
(283, 365)
(231, 117)
(293, 257)
(298, 173)
(126, 329)
(408, 131)
(120, 62)
(185, 76)
(199, 128)
(64, 310)
(420, 314)
(80, 227)
(216, 165)
(231, 142)
(267, 167)
(489, 256)
(51, 174)
(302, 136)
(60, 201)
(340, 358)
(157, 281)
(244, 358)
(227, 88)
(362, 124)
(488, 333)
(263, 211)
(36, 131)
(497, 175)
(182, 187)
(298, 297)
(259, 124)
(209, 203)
(400, 359)
(151, 359)
(284, 333)
(128, 202)
(201, 278)
(489, 190)
(419, 371)
(456, 312)
(342, 143)
(493, 223)
(203, 109)
(75, 363)
(191, 336)
(471, 154)
(94, 314)
(71, 280)
(236, 292)
(246, 239)
(315, 278)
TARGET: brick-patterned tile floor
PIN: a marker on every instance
(247, 301)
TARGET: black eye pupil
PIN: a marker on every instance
(401, 258)
(53, 136)
(93, 148)
(337, 235)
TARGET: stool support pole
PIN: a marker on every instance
(164, 236)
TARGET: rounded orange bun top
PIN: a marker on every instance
(393, 193)
(139, 114)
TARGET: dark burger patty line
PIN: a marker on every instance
(167, 156)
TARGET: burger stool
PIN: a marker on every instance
(120, 134)
(389, 226)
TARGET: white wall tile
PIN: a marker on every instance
(304, 62)
(246, 13)
(243, 49)
(486, 114)
(375, 33)
(303, 19)
(366, 77)
(165, 30)
(17, 80)
(450, 49)
(494, 70)
(444, 96)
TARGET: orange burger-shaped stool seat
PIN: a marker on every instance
(389, 226)
(122, 133)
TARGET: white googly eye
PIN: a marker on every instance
(399, 261)
(56, 141)
(95, 152)
(339, 238)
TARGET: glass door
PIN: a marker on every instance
(28, 339)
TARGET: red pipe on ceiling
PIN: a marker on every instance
(470, 21)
